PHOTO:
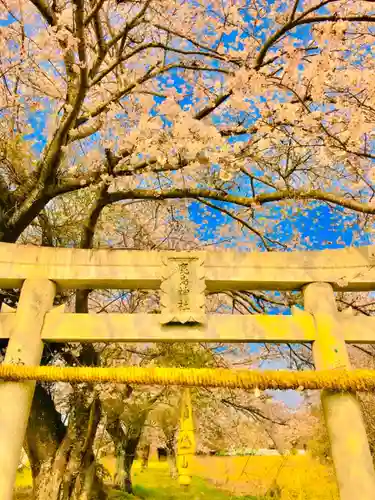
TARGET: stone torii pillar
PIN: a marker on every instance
(24, 348)
(349, 445)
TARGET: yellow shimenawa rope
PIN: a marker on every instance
(338, 379)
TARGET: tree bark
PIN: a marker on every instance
(145, 454)
(126, 444)
(125, 449)
(61, 458)
(172, 459)
(44, 434)
(128, 458)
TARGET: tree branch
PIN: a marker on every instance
(209, 109)
(45, 11)
(93, 12)
(87, 240)
(238, 219)
(294, 10)
(260, 199)
(300, 21)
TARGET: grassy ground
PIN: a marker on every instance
(224, 478)
(157, 484)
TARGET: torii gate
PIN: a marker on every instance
(183, 278)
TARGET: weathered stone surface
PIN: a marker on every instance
(349, 445)
(25, 348)
(183, 289)
(298, 327)
(346, 269)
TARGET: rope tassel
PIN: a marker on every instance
(339, 380)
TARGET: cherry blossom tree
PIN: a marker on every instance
(251, 103)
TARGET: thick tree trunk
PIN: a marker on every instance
(45, 433)
(144, 455)
(127, 458)
(125, 449)
(61, 457)
(79, 477)
(172, 459)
